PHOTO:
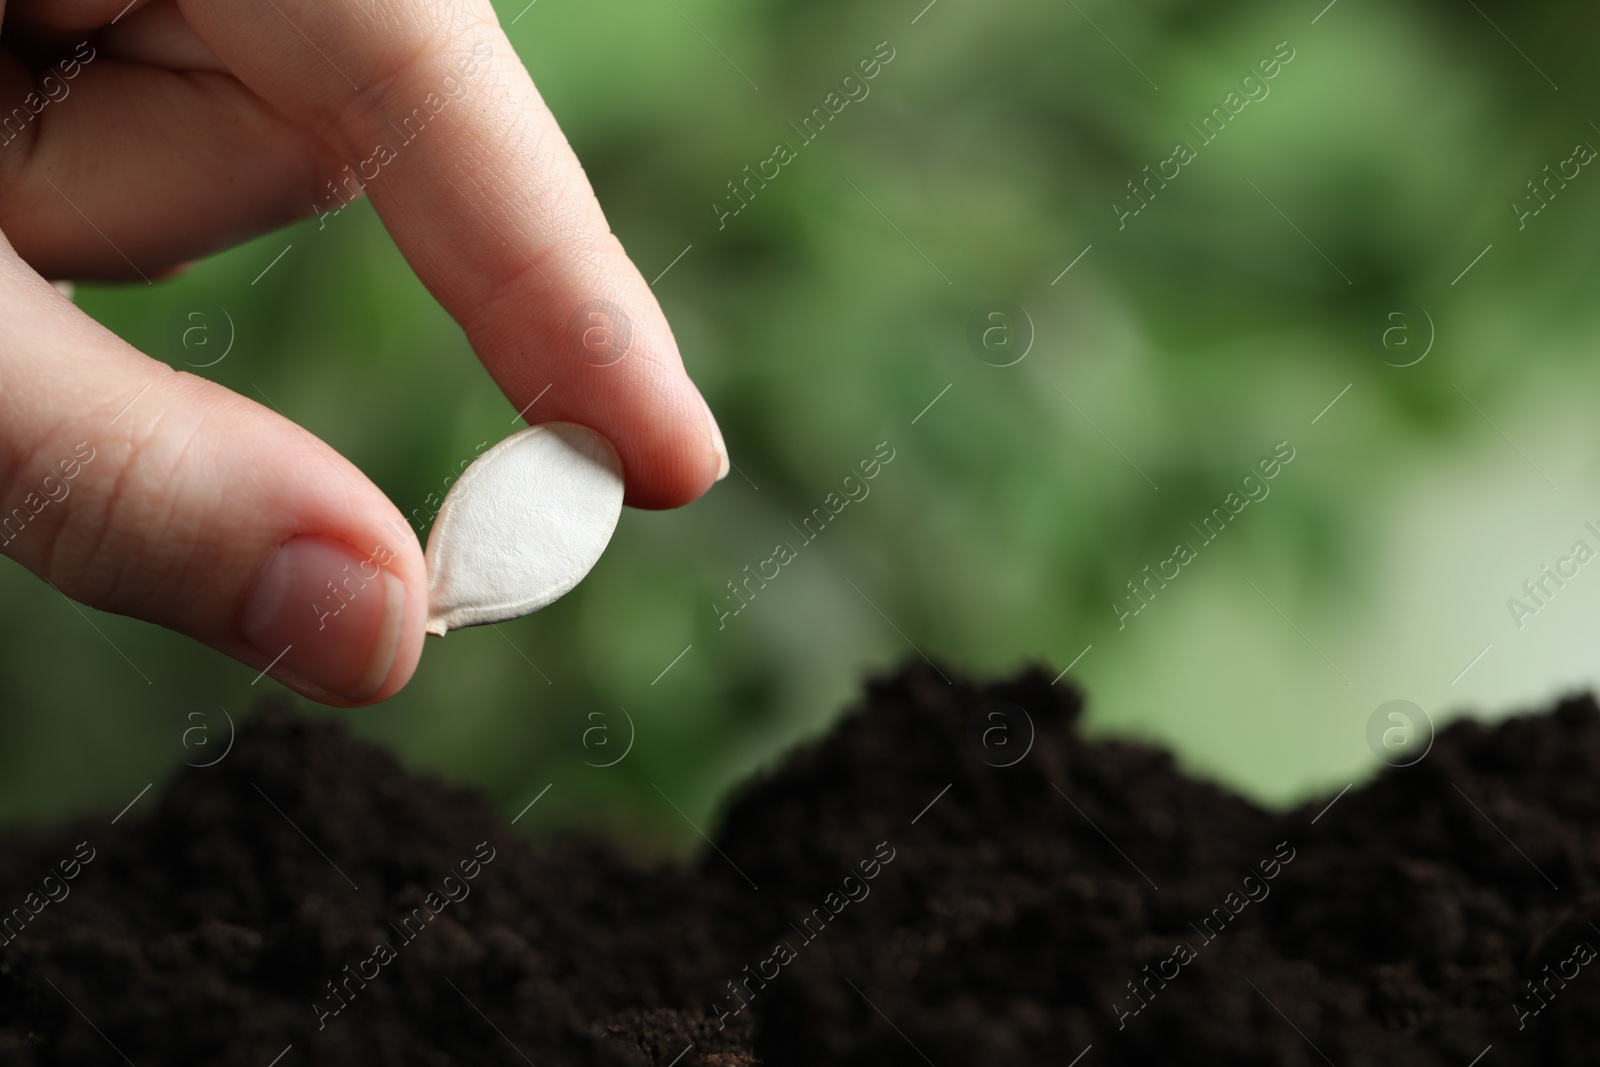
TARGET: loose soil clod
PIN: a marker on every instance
(1013, 924)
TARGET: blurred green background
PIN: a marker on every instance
(823, 319)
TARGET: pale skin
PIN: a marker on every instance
(198, 124)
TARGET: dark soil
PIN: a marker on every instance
(916, 905)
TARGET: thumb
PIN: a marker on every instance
(151, 493)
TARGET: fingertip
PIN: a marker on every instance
(331, 620)
(679, 463)
(718, 445)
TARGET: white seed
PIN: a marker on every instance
(522, 526)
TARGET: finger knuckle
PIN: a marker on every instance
(121, 536)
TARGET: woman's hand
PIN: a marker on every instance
(137, 136)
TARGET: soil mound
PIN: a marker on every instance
(952, 876)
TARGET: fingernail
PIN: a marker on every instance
(323, 613)
(717, 442)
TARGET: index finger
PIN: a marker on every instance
(441, 124)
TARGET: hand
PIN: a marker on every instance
(182, 126)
